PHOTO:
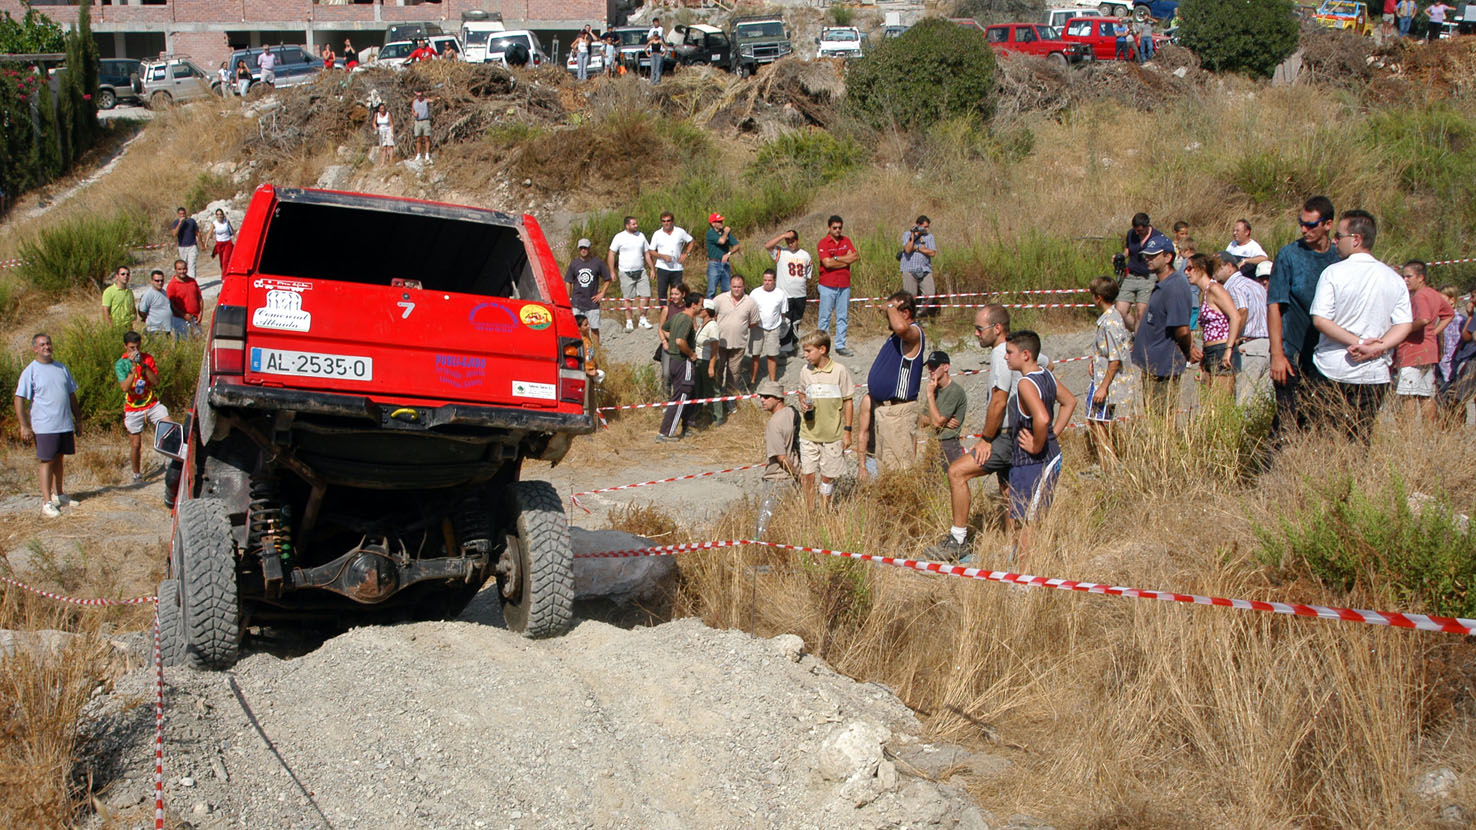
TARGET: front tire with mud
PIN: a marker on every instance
(537, 593)
(211, 599)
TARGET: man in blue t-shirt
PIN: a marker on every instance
(1132, 294)
(721, 243)
(52, 392)
(1162, 343)
(1289, 294)
(186, 232)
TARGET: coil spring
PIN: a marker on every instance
(473, 525)
(266, 518)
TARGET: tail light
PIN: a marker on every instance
(228, 340)
(572, 379)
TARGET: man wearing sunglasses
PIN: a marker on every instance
(153, 306)
(1294, 277)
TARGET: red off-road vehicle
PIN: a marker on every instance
(376, 372)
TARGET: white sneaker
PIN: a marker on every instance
(645, 324)
(50, 510)
(629, 326)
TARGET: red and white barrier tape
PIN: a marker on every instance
(158, 726)
(74, 600)
(575, 497)
(1449, 262)
(1392, 619)
(664, 404)
(158, 680)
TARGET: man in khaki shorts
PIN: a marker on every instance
(1132, 295)
(763, 339)
(421, 131)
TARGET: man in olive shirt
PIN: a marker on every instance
(681, 367)
(117, 300)
(947, 404)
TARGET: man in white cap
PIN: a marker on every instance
(588, 278)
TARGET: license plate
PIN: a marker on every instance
(311, 364)
(717, 57)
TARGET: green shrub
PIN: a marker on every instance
(842, 15)
(1349, 538)
(89, 348)
(34, 32)
(80, 252)
(1246, 36)
(42, 133)
(206, 188)
(807, 157)
(1431, 148)
(935, 70)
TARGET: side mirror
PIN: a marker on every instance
(817, 41)
(169, 440)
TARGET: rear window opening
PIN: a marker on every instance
(375, 247)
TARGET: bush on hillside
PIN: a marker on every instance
(806, 158)
(33, 33)
(80, 252)
(935, 70)
(1246, 36)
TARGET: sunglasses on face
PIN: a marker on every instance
(1310, 225)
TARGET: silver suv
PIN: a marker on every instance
(170, 79)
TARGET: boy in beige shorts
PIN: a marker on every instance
(825, 398)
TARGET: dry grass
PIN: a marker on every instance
(1118, 712)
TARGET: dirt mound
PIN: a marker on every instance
(1444, 68)
(1031, 84)
(471, 98)
(463, 724)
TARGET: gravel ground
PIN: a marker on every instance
(464, 724)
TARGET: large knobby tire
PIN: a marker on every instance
(541, 603)
(212, 603)
(1058, 60)
(171, 624)
(1140, 13)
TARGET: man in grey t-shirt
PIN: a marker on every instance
(153, 306)
(51, 391)
(421, 125)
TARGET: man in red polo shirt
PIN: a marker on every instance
(422, 52)
(837, 254)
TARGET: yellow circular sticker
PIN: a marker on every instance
(535, 317)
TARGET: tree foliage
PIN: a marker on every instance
(46, 123)
(33, 33)
(1248, 36)
(936, 69)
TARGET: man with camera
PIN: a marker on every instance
(916, 259)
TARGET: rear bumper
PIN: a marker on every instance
(272, 399)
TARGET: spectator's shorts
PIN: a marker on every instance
(763, 343)
(1388, 18)
(592, 315)
(1416, 381)
(1031, 490)
(268, 76)
(1211, 365)
(1135, 289)
(134, 420)
(635, 284)
(952, 448)
(51, 444)
(421, 128)
(822, 458)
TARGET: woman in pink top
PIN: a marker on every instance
(1219, 321)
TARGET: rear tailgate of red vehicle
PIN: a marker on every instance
(417, 303)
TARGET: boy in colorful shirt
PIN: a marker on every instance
(825, 397)
(1112, 381)
(137, 376)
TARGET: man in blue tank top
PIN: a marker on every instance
(893, 383)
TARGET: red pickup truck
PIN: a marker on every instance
(1036, 39)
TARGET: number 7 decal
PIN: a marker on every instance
(408, 306)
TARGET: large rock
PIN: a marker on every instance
(624, 580)
(335, 177)
(853, 752)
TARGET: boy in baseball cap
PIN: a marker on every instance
(947, 404)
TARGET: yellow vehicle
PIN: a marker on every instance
(1344, 14)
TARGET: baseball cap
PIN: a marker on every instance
(710, 304)
(1263, 269)
(770, 388)
(583, 243)
(938, 358)
(714, 217)
(1155, 246)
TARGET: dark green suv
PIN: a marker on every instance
(118, 80)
